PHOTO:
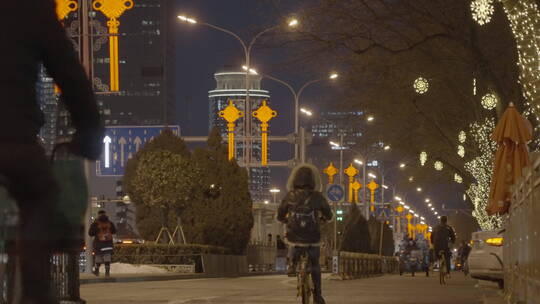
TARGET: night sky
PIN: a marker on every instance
(202, 50)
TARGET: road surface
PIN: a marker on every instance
(391, 289)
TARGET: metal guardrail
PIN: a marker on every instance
(261, 257)
(522, 238)
(354, 265)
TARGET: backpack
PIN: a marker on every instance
(303, 219)
(104, 232)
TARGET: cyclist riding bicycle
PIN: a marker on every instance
(441, 236)
(40, 39)
(301, 210)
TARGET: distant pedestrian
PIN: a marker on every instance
(102, 229)
(269, 239)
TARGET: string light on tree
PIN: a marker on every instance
(474, 86)
(461, 151)
(458, 179)
(480, 169)
(438, 165)
(462, 137)
(423, 158)
(421, 85)
(525, 21)
(489, 101)
(482, 10)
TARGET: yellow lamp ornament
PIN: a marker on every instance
(372, 186)
(351, 172)
(331, 170)
(231, 114)
(410, 228)
(356, 186)
(264, 114)
(64, 7)
(113, 9)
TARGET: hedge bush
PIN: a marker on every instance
(163, 254)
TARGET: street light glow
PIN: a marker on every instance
(275, 190)
(435, 212)
(432, 209)
(370, 118)
(398, 198)
(386, 148)
(402, 165)
(266, 202)
(361, 163)
(187, 19)
(252, 71)
(407, 207)
(385, 186)
(429, 205)
(402, 203)
(335, 144)
(419, 189)
(305, 111)
(372, 175)
(427, 200)
(333, 76)
(293, 22)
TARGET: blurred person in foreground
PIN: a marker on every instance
(31, 35)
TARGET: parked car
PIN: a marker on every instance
(485, 261)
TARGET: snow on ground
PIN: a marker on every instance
(130, 268)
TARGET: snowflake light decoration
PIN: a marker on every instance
(482, 10)
(458, 179)
(423, 158)
(421, 85)
(462, 137)
(438, 165)
(461, 151)
(489, 101)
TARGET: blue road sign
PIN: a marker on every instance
(121, 143)
(335, 193)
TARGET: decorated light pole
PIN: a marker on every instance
(231, 114)
(330, 171)
(351, 172)
(372, 186)
(264, 114)
(113, 9)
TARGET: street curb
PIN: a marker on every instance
(169, 278)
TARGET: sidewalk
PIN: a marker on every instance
(86, 278)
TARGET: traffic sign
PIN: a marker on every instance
(335, 193)
(121, 143)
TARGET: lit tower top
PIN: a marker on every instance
(232, 83)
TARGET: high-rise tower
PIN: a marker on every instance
(231, 85)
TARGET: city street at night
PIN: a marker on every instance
(391, 289)
(270, 151)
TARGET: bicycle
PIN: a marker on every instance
(305, 288)
(443, 270)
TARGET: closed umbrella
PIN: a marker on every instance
(512, 134)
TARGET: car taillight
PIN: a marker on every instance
(498, 241)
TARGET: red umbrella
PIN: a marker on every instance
(512, 134)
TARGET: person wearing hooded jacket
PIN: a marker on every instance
(301, 211)
(102, 229)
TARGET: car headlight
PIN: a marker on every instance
(497, 241)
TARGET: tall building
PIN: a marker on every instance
(231, 85)
(48, 103)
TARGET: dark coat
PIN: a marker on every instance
(441, 235)
(302, 190)
(31, 35)
(102, 247)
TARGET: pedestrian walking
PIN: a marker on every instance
(102, 229)
(39, 39)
